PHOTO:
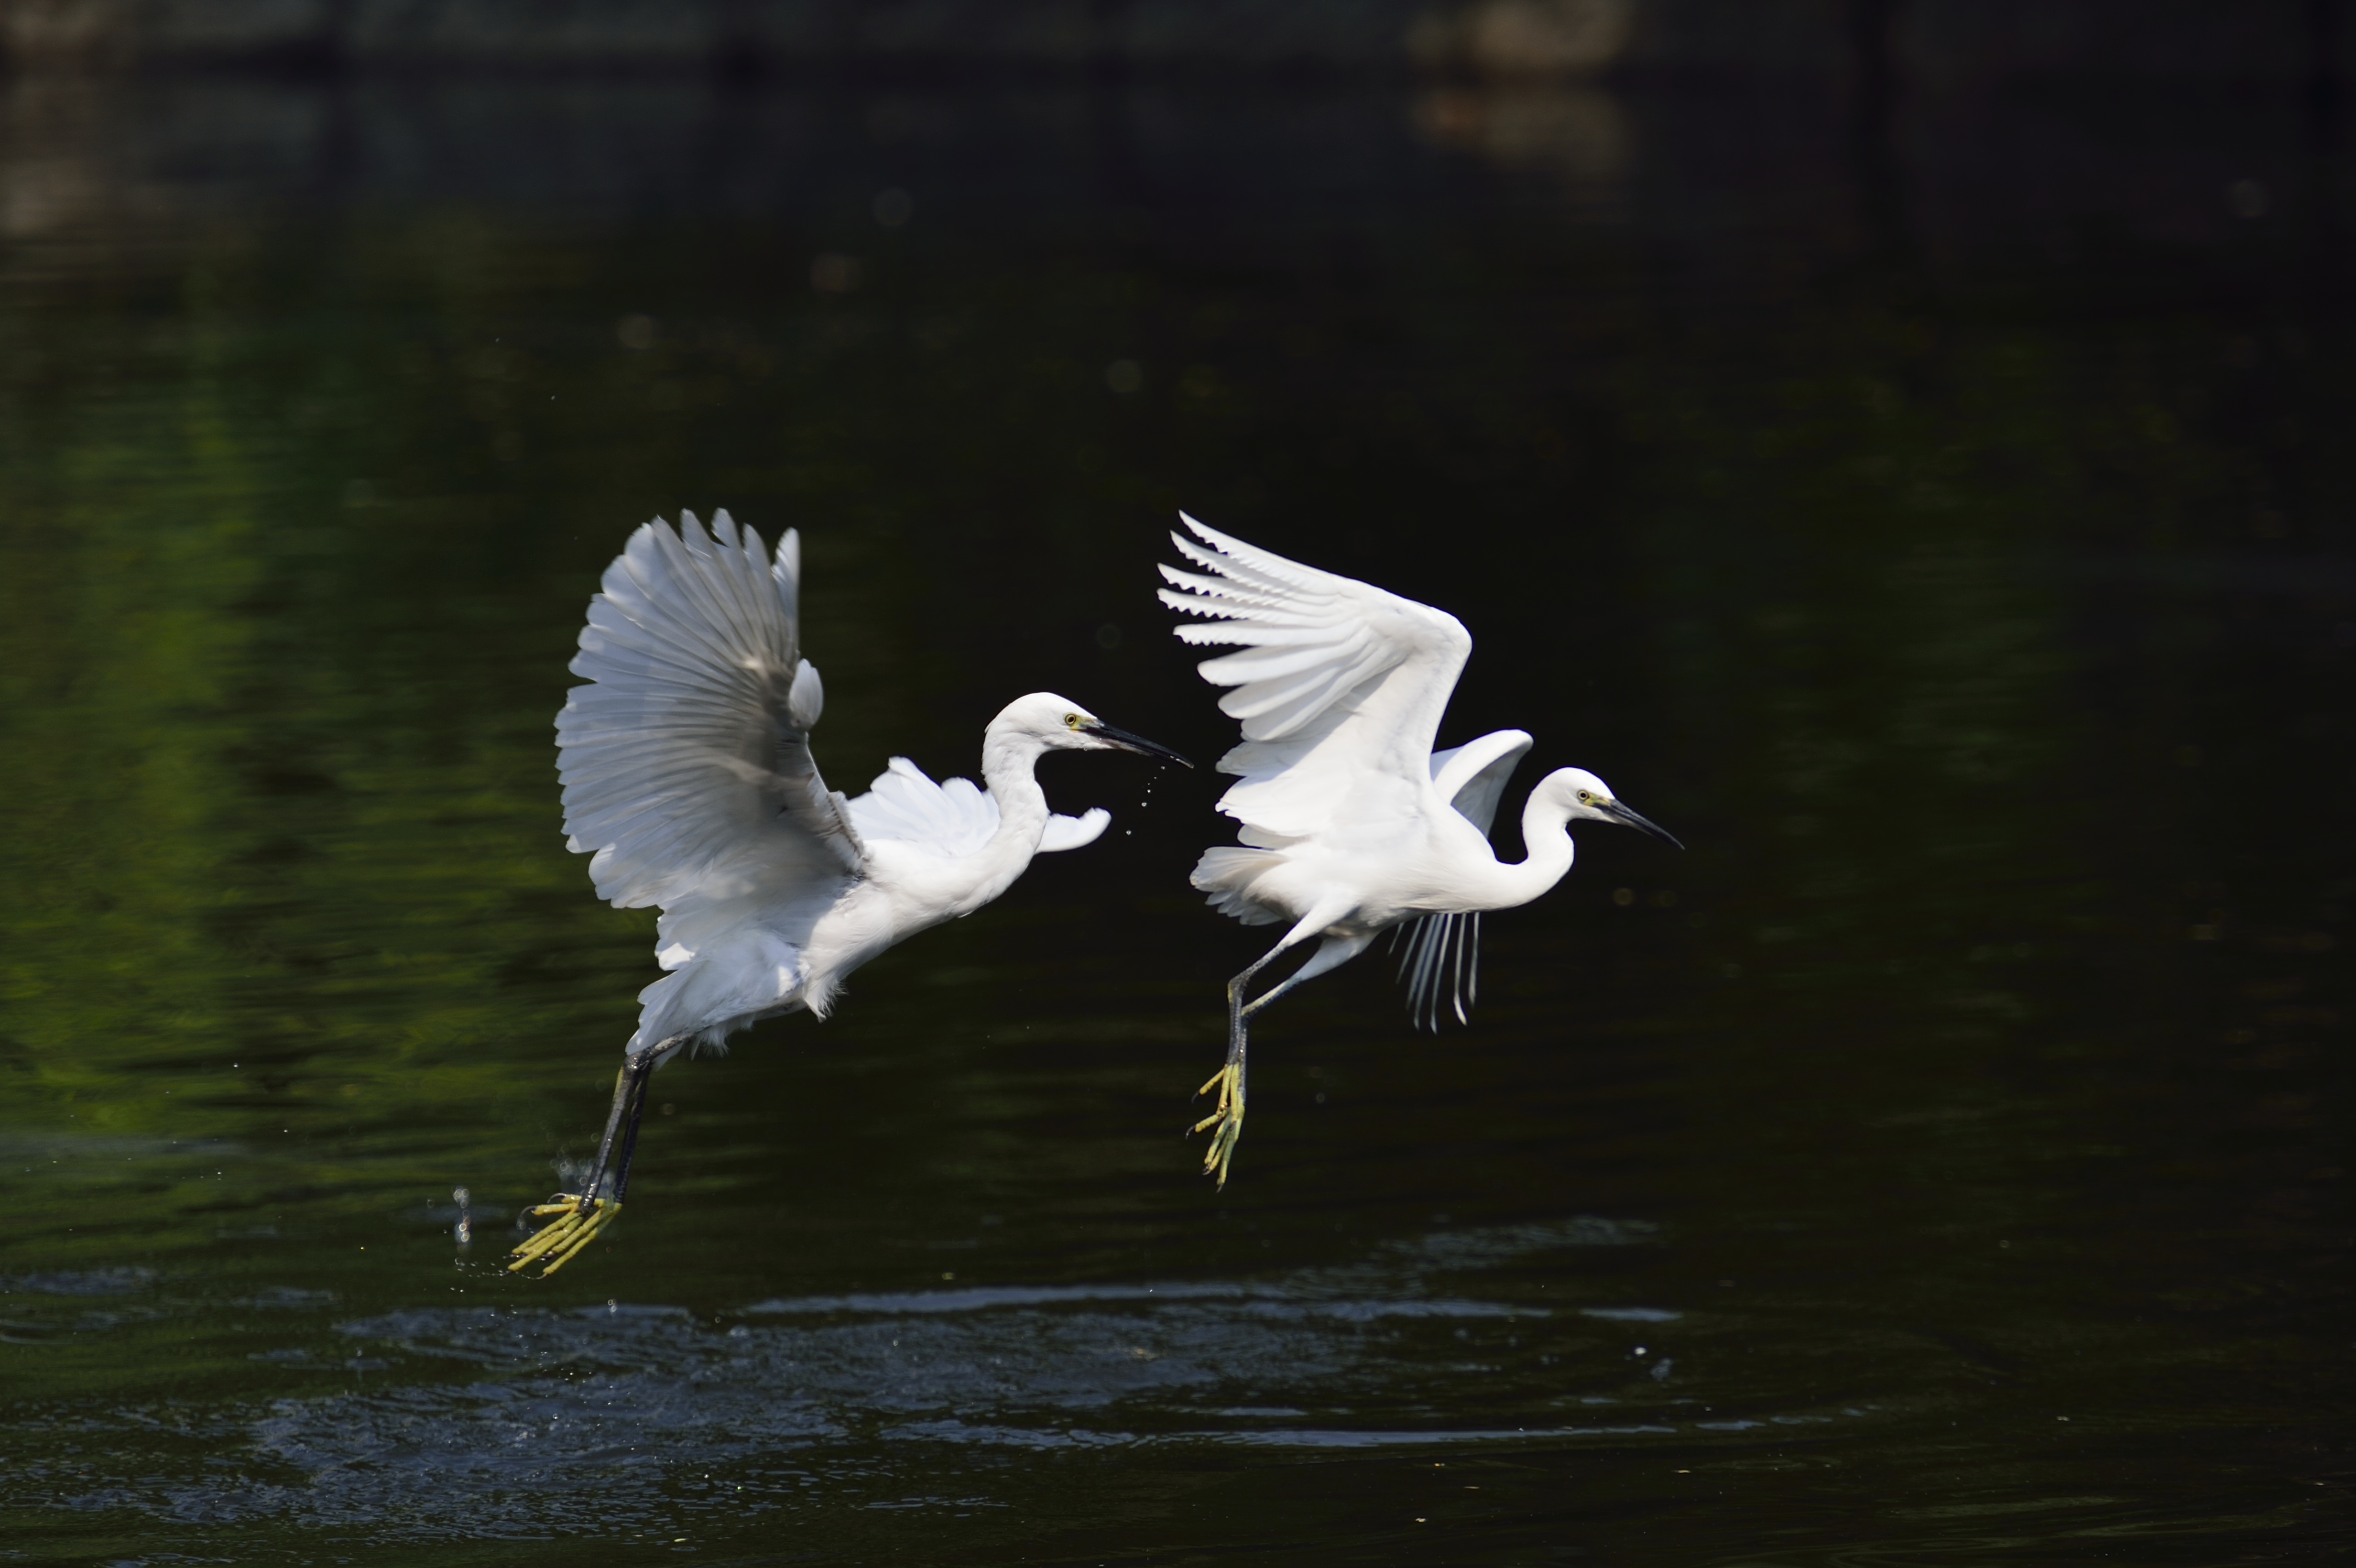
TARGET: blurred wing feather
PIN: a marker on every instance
(686, 760)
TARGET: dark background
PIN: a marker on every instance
(1899, 446)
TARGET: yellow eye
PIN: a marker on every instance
(1587, 797)
(1073, 720)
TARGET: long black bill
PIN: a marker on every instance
(1627, 818)
(1138, 743)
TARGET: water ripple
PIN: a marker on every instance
(480, 1421)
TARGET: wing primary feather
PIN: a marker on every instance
(1338, 685)
(1266, 563)
(1221, 588)
(685, 760)
(787, 570)
(1234, 562)
(720, 588)
(717, 587)
(1226, 591)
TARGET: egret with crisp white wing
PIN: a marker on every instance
(1352, 824)
(688, 779)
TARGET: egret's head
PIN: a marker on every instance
(1582, 793)
(1057, 723)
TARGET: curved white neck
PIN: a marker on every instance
(1545, 839)
(1007, 758)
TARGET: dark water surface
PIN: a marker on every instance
(1942, 524)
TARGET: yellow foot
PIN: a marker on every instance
(561, 1241)
(1228, 1119)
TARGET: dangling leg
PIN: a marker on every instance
(576, 1218)
(1228, 1117)
(621, 1182)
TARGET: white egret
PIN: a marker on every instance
(688, 779)
(1352, 824)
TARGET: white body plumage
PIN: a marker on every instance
(688, 779)
(1352, 824)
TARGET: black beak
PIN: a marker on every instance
(1627, 818)
(1141, 745)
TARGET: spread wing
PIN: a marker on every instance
(951, 819)
(1340, 685)
(1471, 777)
(686, 760)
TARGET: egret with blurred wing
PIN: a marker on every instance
(1352, 824)
(688, 779)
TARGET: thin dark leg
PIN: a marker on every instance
(1226, 1123)
(1239, 1030)
(575, 1219)
(638, 1113)
(621, 1121)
